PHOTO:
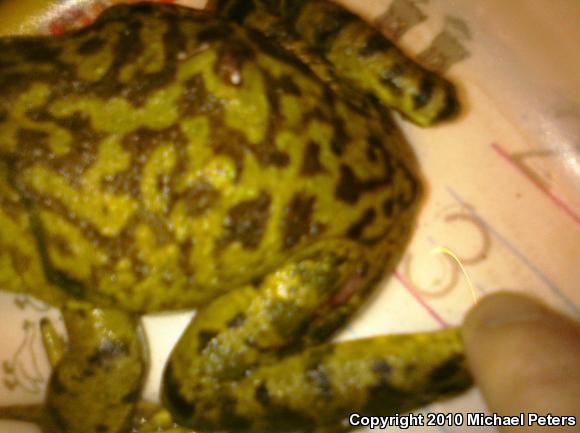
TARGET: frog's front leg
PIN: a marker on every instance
(242, 364)
(349, 55)
(96, 382)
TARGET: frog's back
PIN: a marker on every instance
(164, 151)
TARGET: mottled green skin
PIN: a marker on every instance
(164, 159)
(351, 57)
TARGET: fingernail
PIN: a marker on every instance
(504, 308)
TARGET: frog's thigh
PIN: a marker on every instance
(98, 379)
(241, 364)
(256, 324)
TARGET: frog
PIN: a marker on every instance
(242, 162)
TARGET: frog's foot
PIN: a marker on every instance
(97, 381)
(241, 364)
(348, 54)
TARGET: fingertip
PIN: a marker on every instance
(500, 309)
(524, 356)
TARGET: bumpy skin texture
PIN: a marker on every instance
(163, 159)
(351, 57)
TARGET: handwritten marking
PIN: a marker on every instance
(420, 300)
(527, 262)
(433, 291)
(401, 16)
(23, 370)
(557, 200)
(447, 48)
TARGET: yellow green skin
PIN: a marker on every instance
(351, 57)
(166, 159)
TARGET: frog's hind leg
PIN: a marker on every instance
(97, 375)
(243, 363)
(97, 381)
(348, 54)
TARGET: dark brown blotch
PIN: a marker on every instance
(56, 385)
(267, 154)
(109, 350)
(204, 336)
(382, 397)
(275, 88)
(246, 222)
(132, 396)
(35, 51)
(61, 279)
(355, 231)
(287, 85)
(91, 46)
(230, 61)
(101, 428)
(320, 380)
(217, 31)
(199, 197)
(262, 394)
(55, 416)
(195, 98)
(348, 188)
(236, 10)
(412, 191)
(266, 151)
(425, 91)
(447, 370)
(311, 164)
(268, 46)
(329, 27)
(296, 221)
(60, 243)
(88, 372)
(229, 142)
(375, 43)
(389, 207)
(374, 148)
(20, 261)
(340, 139)
(33, 144)
(382, 368)
(451, 105)
(236, 321)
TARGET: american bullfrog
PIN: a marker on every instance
(242, 163)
